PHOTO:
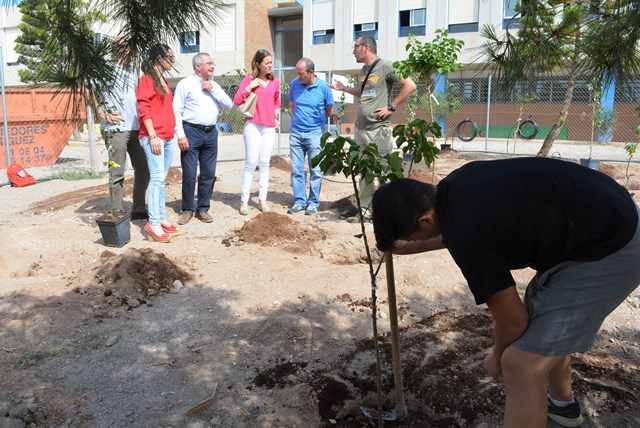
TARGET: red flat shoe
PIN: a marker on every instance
(169, 228)
(152, 236)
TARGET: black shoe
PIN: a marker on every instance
(567, 416)
(144, 215)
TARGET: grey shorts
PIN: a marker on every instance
(568, 303)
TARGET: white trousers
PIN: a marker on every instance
(258, 145)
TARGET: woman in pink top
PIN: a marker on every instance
(259, 131)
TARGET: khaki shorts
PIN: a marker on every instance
(568, 303)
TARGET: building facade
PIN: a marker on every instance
(244, 27)
(332, 26)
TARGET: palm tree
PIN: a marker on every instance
(594, 40)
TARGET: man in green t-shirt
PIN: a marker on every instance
(373, 123)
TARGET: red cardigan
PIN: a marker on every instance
(151, 106)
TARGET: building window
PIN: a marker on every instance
(287, 41)
(323, 21)
(10, 54)
(366, 29)
(463, 16)
(190, 42)
(413, 22)
(508, 14)
(323, 37)
(225, 32)
(365, 18)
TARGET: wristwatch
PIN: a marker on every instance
(390, 107)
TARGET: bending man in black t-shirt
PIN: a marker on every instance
(576, 227)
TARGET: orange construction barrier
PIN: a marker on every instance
(37, 125)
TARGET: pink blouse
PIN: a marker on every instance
(268, 100)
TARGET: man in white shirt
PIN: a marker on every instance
(196, 104)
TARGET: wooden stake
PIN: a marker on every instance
(401, 407)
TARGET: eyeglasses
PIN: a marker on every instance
(208, 63)
(356, 45)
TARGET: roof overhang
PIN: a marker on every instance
(275, 12)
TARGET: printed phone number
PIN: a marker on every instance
(27, 155)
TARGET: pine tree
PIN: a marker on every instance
(594, 40)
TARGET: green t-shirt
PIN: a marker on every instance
(376, 94)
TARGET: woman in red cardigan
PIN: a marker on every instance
(157, 122)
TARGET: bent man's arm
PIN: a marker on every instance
(407, 88)
(412, 247)
(510, 321)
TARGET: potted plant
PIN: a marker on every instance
(115, 225)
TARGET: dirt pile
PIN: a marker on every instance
(273, 229)
(133, 277)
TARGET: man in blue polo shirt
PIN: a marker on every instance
(311, 102)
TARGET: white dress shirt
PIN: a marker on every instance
(122, 99)
(195, 105)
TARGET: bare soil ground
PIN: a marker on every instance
(272, 310)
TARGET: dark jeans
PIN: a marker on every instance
(203, 149)
(121, 143)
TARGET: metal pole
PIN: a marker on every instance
(91, 134)
(280, 116)
(4, 109)
(401, 407)
(486, 132)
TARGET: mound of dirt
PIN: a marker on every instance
(174, 176)
(134, 276)
(280, 163)
(345, 207)
(272, 229)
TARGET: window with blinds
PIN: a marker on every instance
(323, 21)
(463, 16)
(10, 55)
(365, 19)
(225, 33)
(412, 17)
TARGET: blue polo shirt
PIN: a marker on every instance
(309, 105)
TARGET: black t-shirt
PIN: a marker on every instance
(500, 215)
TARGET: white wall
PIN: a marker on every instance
(339, 56)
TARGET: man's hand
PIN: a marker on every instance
(207, 86)
(110, 118)
(337, 85)
(493, 366)
(382, 113)
(183, 143)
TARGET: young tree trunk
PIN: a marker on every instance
(568, 98)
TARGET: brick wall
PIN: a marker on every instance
(258, 28)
